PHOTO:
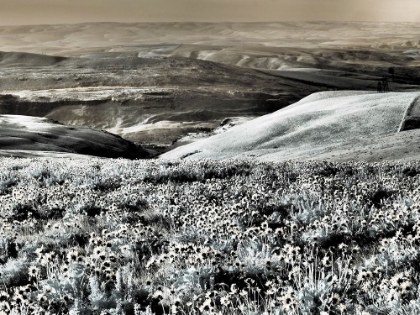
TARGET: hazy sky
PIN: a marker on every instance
(75, 11)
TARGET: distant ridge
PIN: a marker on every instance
(28, 59)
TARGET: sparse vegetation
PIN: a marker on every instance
(205, 237)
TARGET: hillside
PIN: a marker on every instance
(24, 136)
(312, 128)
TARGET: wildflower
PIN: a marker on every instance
(392, 295)
(111, 257)
(225, 300)
(288, 301)
(334, 299)
(326, 261)
(125, 248)
(206, 306)
(33, 271)
(106, 264)
(48, 288)
(150, 262)
(271, 291)
(19, 299)
(109, 274)
(267, 263)
(46, 259)
(39, 250)
(249, 281)
(4, 308)
(342, 246)
(243, 293)
(64, 268)
(98, 250)
(4, 296)
(158, 294)
(405, 286)
(72, 255)
(42, 298)
(233, 289)
(341, 307)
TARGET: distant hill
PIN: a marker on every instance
(158, 83)
(152, 100)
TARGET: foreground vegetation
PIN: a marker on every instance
(234, 237)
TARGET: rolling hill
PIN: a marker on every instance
(314, 128)
(24, 136)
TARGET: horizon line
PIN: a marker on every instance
(211, 22)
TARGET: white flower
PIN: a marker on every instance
(326, 261)
(225, 300)
(72, 255)
(342, 307)
(206, 305)
(243, 293)
(39, 249)
(33, 271)
(150, 262)
(158, 294)
(5, 306)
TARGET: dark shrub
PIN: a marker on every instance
(379, 195)
(327, 171)
(93, 211)
(22, 212)
(410, 172)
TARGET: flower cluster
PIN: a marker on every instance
(206, 237)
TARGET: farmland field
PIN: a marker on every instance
(106, 236)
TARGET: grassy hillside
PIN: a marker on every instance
(206, 237)
(319, 123)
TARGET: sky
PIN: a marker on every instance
(15, 12)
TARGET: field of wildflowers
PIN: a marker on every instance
(204, 237)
